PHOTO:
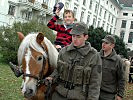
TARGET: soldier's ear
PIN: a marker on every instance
(86, 37)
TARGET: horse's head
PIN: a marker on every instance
(36, 54)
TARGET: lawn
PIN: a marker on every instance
(10, 85)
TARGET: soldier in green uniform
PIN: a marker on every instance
(113, 71)
(78, 72)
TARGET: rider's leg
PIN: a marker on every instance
(17, 70)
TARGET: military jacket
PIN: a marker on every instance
(113, 74)
(80, 67)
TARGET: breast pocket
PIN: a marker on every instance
(78, 74)
(62, 69)
(87, 72)
(108, 74)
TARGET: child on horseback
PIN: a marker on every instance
(63, 37)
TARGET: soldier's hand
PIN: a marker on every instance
(48, 80)
(118, 98)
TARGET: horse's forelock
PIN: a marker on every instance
(30, 40)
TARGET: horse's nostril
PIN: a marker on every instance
(28, 93)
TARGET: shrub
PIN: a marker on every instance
(9, 41)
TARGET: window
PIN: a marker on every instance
(75, 11)
(84, 2)
(66, 5)
(107, 27)
(88, 19)
(82, 16)
(115, 22)
(107, 2)
(11, 10)
(110, 6)
(112, 20)
(90, 6)
(46, 1)
(110, 29)
(130, 38)
(96, 8)
(103, 24)
(131, 26)
(125, 14)
(109, 18)
(123, 25)
(100, 11)
(56, 1)
(105, 15)
(28, 15)
(122, 33)
(98, 23)
(94, 22)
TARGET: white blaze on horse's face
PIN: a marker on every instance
(28, 84)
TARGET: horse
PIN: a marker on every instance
(37, 57)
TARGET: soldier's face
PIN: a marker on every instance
(79, 40)
(107, 46)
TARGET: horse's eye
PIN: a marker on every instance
(39, 58)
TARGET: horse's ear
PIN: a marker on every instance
(20, 35)
(40, 38)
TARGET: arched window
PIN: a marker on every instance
(130, 38)
(122, 33)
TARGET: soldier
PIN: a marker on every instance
(78, 72)
(113, 71)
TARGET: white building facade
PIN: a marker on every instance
(99, 13)
(125, 26)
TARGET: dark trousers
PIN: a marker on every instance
(106, 96)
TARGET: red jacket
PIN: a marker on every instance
(63, 37)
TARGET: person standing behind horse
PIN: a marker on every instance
(113, 71)
(78, 72)
(63, 37)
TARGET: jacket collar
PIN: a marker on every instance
(111, 56)
(68, 26)
(83, 50)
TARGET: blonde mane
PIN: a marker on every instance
(30, 41)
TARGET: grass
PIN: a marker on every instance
(9, 84)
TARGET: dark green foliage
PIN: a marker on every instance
(120, 47)
(9, 41)
(95, 38)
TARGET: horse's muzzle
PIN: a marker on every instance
(28, 93)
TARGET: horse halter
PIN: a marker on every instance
(40, 77)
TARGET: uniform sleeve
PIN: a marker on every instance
(52, 23)
(95, 78)
(121, 78)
